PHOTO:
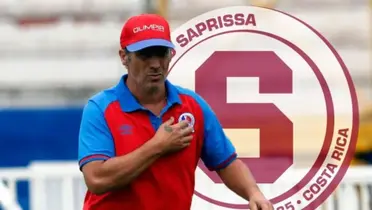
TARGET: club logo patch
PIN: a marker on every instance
(188, 117)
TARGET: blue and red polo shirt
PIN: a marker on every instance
(115, 124)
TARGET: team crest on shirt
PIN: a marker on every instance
(189, 118)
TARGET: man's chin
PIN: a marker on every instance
(155, 86)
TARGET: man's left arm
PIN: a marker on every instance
(219, 154)
(238, 178)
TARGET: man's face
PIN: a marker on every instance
(148, 67)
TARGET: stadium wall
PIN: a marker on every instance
(42, 134)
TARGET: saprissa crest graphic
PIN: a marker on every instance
(283, 95)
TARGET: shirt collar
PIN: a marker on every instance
(129, 103)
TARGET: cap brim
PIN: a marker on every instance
(149, 43)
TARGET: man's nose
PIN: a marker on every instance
(154, 63)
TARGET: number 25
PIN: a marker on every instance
(288, 206)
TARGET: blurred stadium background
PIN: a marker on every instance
(55, 54)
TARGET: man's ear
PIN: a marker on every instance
(123, 57)
(172, 53)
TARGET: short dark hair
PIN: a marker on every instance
(126, 50)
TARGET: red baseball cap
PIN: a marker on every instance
(145, 30)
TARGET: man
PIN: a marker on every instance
(140, 141)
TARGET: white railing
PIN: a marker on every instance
(7, 198)
(60, 185)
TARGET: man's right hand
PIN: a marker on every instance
(175, 137)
